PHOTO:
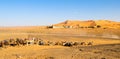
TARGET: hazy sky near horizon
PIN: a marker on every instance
(46, 12)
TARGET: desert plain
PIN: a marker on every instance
(106, 42)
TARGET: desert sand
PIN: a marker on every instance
(106, 42)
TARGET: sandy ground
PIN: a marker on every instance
(110, 51)
(101, 49)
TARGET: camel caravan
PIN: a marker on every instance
(37, 41)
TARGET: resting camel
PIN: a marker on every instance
(75, 43)
(41, 42)
(1, 44)
(67, 44)
(4, 43)
(90, 43)
(82, 43)
(36, 41)
(30, 41)
(12, 42)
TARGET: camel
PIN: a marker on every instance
(4, 43)
(25, 41)
(82, 43)
(56, 43)
(67, 44)
(75, 43)
(20, 42)
(30, 41)
(49, 43)
(36, 41)
(41, 42)
(1, 44)
(12, 42)
(90, 43)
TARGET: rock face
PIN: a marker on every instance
(87, 24)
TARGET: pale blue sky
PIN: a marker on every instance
(46, 12)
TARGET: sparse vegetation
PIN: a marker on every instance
(91, 27)
(98, 26)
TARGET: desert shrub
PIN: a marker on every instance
(49, 58)
(91, 27)
(98, 26)
(81, 27)
(103, 58)
(104, 28)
